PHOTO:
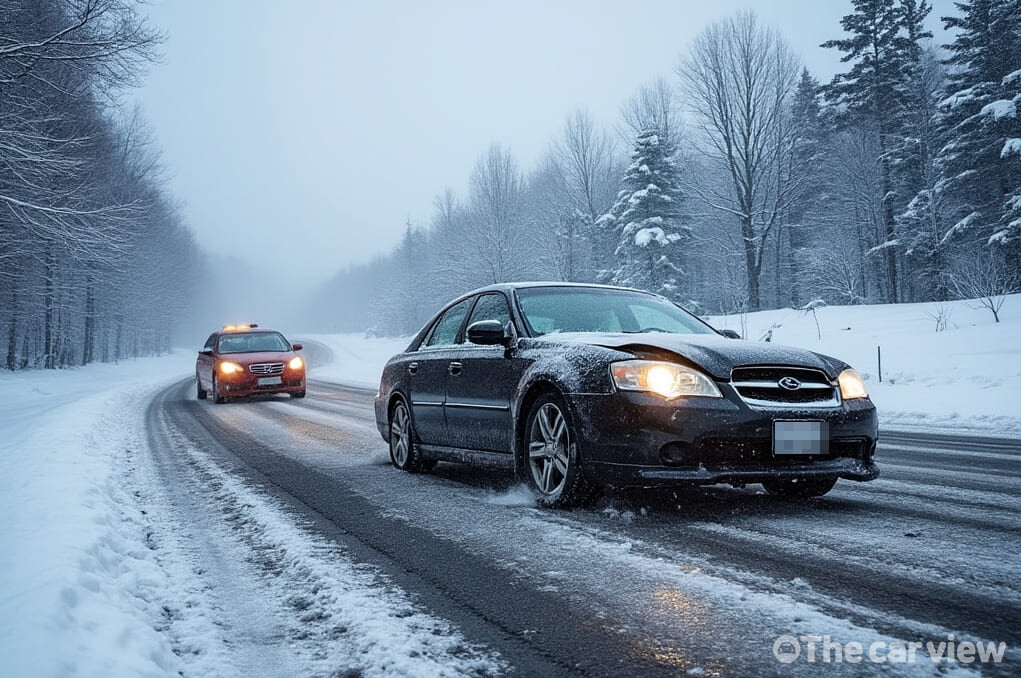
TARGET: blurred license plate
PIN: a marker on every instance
(269, 381)
(801, 437)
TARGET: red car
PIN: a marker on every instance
(243, 360)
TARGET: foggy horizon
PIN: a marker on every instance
(323, 128)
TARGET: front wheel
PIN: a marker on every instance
(552, 467)
(404, 454)
(799, 488)
(199, 391)
(217, 397)
(298, 394)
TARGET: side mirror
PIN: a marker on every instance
(488, 333)
(296, 347)
(730, 334)
(206, 351)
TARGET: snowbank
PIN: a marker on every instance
(98, 572)
(80, 588)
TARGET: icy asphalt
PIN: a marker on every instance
(697, 582)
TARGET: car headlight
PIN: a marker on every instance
(851, 385)
(228, 367)
(296, 363)
(669, 380)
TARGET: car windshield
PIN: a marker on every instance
(251, 342)
(587, 309)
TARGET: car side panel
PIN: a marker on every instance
(425, 376)
(479, 395)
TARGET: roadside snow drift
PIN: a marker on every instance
(104, 564)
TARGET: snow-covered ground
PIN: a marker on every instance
(965, 377)
(100, 577)
(96, 580)
(80, 591)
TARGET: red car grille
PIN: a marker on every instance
(266, 368)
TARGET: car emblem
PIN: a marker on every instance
(789, 383)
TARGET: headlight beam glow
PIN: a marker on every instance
(665, 379)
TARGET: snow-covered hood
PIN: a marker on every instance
(715, 354)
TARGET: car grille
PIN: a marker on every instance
(759, 386)
(266, 368)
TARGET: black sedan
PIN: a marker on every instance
(577, 387)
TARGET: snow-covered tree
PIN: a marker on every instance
(648, 221)
(976, 195)
(883, 49)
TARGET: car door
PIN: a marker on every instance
(204, 363)
(480, 384)
(428, 371)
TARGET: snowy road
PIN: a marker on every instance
(645, 583)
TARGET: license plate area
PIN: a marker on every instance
(801, 438)
(269, 381)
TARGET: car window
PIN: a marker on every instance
(587, 309)
(211, 341)
(650, 318)
(552, 311)
(251, 342)
(444, 332)
(491, 307)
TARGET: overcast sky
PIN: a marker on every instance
(305, 134)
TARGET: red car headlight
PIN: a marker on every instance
(227, 367)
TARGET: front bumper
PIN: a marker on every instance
(244, 384)
(640, 439)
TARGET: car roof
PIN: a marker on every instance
(248, 330)
(510, 286)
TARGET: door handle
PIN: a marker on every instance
(455, 368)
(413, 368)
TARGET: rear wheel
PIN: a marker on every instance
(217, 397)
(552, 466)
(404, 454)
(199, 391)
(799, 488)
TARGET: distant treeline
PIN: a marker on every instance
(94, 262)
(745, 184)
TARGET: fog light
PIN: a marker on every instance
(678, 454)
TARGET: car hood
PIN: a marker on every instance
(715, 354)
(259, 357)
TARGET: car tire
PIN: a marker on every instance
(799, 488)
(552, 467)
(298, 394)
(200, 392)
(217, 398)
(404, 453)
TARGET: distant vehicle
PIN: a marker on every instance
(244, 360)
(580, 386)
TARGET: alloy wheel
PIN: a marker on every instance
(549, 449)
(400, 436)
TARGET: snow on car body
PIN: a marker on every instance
(581, 386)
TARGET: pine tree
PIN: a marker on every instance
(884, 48)
(980, 163)
(647, 221)
(807, 153)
